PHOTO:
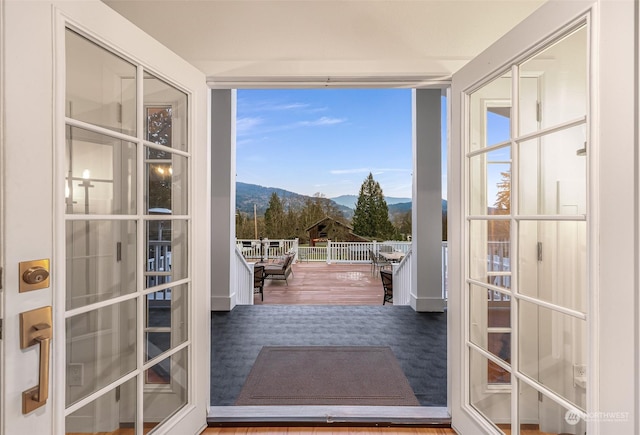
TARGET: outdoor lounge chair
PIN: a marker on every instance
(280, 269)
(387, 285)
(258, 280)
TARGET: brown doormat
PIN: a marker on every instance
(321, 375)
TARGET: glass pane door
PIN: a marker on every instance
(526, 282)
(128, 284)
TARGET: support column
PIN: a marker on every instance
(223, 198)
(426, 210)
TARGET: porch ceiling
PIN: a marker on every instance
(245, 43)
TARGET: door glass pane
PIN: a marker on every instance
(490, 252)
(490, 321)
(167, 183)
(545, 416)
(494, 403)
(552, 262)
(165, 114)
(159, 407)
(498, 123)
(101, 345)
(561, 71)
(167, 247)
(553, 174)
(100, 174)
(101, 261)
(109, 414)
(166, 320)
(490, 183)
(490, 114)
(100, 86)
(499, 344)
(550, 345)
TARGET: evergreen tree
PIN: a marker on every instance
(503, 197)
(499, 229)
(371, 217)
(274, 218)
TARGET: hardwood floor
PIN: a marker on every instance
(327, 430)
(325, 284)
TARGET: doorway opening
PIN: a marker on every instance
(318, 321)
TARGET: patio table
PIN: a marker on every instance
(392, 256)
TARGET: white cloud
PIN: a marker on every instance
(348, 171)
(375, 171)
(245, 125)
(247, 105)
(325, 120)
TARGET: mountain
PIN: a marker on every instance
(249, 194)
(402, 207)
(351, 200)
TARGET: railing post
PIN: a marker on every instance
(375, 247)
(295, 249)
(328, 251)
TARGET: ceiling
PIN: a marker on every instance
(277, 43)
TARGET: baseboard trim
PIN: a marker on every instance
(222, 303)
(433, 305)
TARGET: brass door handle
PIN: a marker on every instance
(36, 327)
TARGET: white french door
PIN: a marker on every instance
(520, 165)
(107, 158)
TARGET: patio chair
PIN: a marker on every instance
(387, 285)
(258, 280)
(377, 262)
(372, 258)
(280, 269)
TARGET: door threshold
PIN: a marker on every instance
(330, 415)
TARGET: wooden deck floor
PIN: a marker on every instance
(325, 284)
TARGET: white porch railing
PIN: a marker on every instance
(266, 248)
(244, 280)
(312, 253)
(158, 268)
(358, 252)
(402, 280)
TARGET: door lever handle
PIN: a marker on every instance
(36, 328)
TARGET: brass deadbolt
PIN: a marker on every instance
(34, 275)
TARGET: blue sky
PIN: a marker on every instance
(325, 140)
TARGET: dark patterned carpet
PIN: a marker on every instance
(418, 340)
